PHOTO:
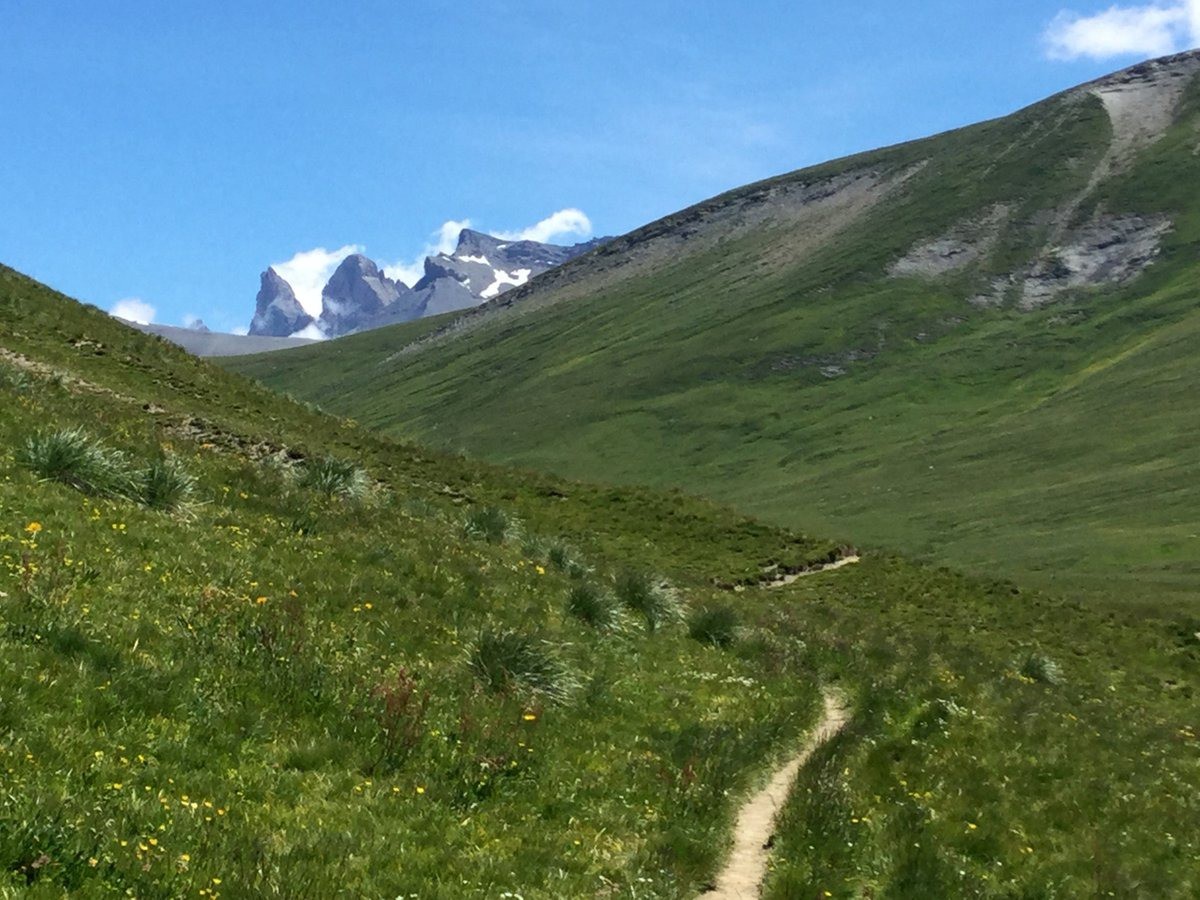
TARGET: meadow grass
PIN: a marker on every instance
(814, 390)
(228, 702)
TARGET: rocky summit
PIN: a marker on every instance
(277, 312)
(360, 296)
(359, 293)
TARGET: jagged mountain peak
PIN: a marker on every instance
(277, 312)
(359, 294)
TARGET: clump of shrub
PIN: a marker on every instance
(165, 485)
(334, 477)
(715, 625)
(72, 457)
(654, 601)
(1041, 668)
(592, 604)
(490, 524)
(504, 660)
(15, 380)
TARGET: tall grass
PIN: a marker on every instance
(650, 598)
(504, 660)
(491, 524)
(334, 477)
(74, 458)
(715, 625)
(165, 484)
(593, 605)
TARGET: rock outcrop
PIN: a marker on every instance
(277, 312)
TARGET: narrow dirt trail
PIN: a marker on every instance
(742, 876)
(783, 580)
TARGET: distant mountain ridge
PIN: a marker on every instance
(360, 296)
(978, 346)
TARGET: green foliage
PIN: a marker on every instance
(653, 600)
(334, 477)
(154, 665)
(715, 625)
(504, 659)
(593, 605)
(165, 484)
(883, 402)
(491, 524)
(74, 458)
(1041, 668)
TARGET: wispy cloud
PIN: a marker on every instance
(134, 309)
(308, 271)
(444, 240)
(1154, 29)
(564, 223)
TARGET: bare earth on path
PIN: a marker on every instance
(742, 876)
(784, 580)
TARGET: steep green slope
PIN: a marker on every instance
(269, 691)
(796, 349)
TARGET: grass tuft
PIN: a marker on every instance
(594, 606)
(165, 485)
(334, 477)
(653, 600)
(715, 625)
(504, 660)
(490, 524)
(72, 457)
(1042, 668)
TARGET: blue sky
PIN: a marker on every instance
(171, 151)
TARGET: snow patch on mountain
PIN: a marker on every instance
(503, 279)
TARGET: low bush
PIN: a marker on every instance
(490, 524)
(1042, 669)
(334, 477)
(503, 660)
(593, 605)
(165, 484)
(652, 600)
(72, 457)
(715, 625)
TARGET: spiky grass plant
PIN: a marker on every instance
(1041, 668)
(490, 524)
(504, 659)
(594, 606)
(648, 597)
(73, 457)
(715, 625)
(334, 477)
(166, 485)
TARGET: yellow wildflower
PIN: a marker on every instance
(33, 527)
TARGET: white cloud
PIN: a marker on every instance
(565, 222)
(134, 309)
(312, 331)
(308, 271)
(444, 240)
(1155, 29)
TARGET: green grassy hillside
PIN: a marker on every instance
(230, 669)
(764, 349)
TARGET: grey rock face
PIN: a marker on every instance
(359, 296)
(1111, 251)
(359, 293)
(277, 312)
